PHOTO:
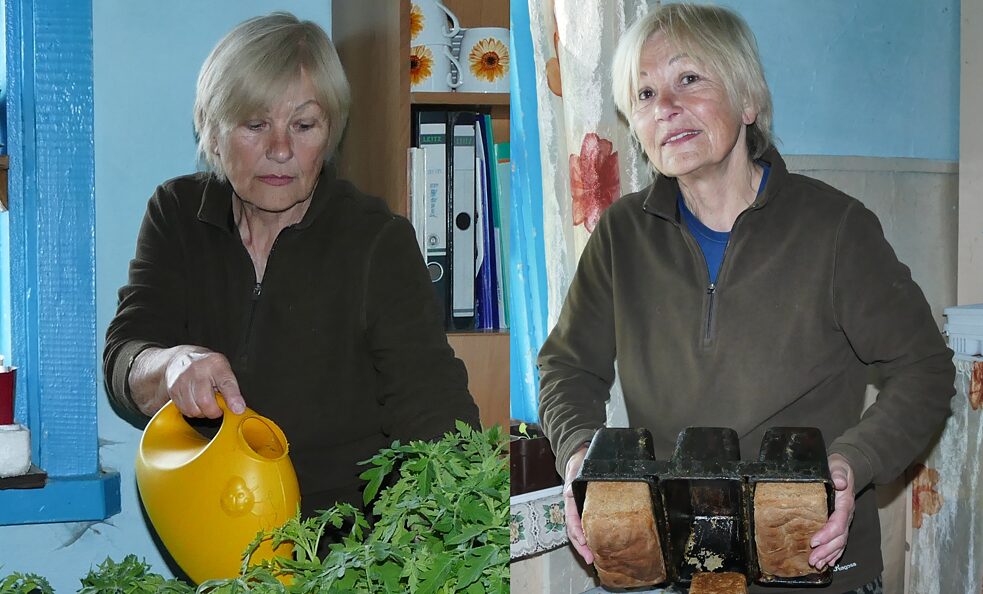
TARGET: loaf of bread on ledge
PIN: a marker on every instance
(718, 583)
(620, 529)
(786, 516)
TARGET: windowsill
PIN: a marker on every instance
(63, 499)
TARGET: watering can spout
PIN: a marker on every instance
(236, 484)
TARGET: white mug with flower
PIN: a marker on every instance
(485, 60)
(432, 23)
(430, 68)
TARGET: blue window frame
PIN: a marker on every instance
(52, 260)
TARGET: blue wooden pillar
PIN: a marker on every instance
(52, 260)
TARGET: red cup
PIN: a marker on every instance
(8, 381)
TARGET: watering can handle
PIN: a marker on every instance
(220, 400)
(170, 416)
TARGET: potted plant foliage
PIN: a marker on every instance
(532, 465)
(440, 527)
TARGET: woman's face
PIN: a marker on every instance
(274, 158)
(682, 115)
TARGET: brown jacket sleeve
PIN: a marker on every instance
(151, 304)
(576, 363)
(889, 324)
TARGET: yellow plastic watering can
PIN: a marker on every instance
(207, 499)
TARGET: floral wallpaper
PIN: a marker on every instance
(946, 507)
(976, 387)
(925, 500)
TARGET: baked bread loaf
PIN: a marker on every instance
(718, 583)
(786, 515)
(620, 529)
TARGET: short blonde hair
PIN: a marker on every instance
(714, 36)
(256, 61)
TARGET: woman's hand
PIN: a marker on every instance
(828, 544)
(575, 529)
(190, 376)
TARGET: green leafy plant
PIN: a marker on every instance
(526, 431)
(130, 576)
(25, 583)
(440, 527)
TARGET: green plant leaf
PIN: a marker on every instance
(25, 583)
(467, 534)
(476, 562)
(524, 430)
(436, 576)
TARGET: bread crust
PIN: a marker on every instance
(786, 516)
(718, 583)
(619, 525)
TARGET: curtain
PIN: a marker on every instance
(586, 156)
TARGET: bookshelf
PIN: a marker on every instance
(373, 41)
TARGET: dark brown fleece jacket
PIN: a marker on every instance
(341, 345)
(808, 296)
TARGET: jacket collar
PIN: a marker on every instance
(216, 200)
(662, 193)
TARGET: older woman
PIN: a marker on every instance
(271, 281)
(733, 293)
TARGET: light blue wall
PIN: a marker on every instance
(146, 57)
(876, 78)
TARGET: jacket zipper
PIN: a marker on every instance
(247, 336)
(711, 289)
(254, 303)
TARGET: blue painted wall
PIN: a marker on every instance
(146, 57)
(875, 78)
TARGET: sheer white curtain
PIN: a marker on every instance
(588, 156)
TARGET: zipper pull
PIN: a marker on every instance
(257, 291)
(711, 288)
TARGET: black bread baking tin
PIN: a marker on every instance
(702, 498)
(625, 455)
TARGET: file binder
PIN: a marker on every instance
(416, 183)
(486, 308)
(462, 209)
(431, 136)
